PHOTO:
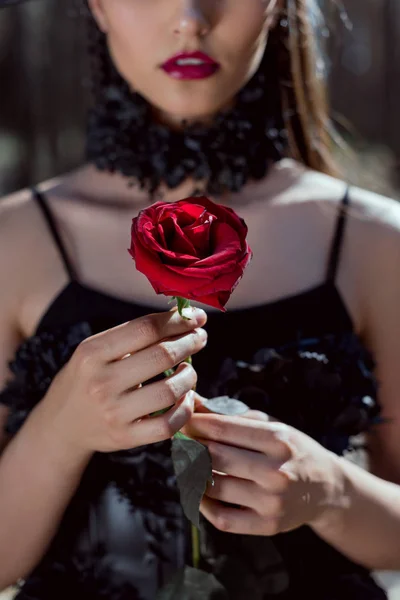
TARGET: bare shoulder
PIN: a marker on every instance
(17, 209)
(371, 217)
(373, 220)
(366, 207)
(16, 241)
(14, 245)
(372, 247)
(379, 214)
(370, 259)
(24, 248)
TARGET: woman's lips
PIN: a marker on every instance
(190, 65)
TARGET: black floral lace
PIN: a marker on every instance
(324, 387)
(77, 577)
(37, 362)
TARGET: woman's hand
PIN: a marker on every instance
(97, 402)
(278, 477)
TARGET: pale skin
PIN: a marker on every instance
(290, 214)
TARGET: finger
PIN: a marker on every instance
(198, 404)
(259, 436)
(140, 333)
(234, 490)
(245, 464)
(258, 415)
(149, 363)
(232, 520)
(156, 396)
(158, 429)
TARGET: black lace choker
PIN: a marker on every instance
(240, 145)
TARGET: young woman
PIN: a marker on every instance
(223, 99)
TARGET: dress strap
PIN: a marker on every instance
(337, 243)
(41, 200)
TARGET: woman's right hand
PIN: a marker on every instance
(96, 402)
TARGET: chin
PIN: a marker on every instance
(193, 114)
(189, 110)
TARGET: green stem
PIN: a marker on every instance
(195, 531)
(182, 303)
(195, 547)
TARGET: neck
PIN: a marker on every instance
(112, 191)
(116, 190)
(180, 123)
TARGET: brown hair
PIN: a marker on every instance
(303, 93)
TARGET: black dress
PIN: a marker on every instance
(124, 535)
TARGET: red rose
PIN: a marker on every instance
(193, 249)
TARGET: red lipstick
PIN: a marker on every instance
(190, 65)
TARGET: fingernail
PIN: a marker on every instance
(198, 315)
(182, 367)
(202, 333)
(190, 396)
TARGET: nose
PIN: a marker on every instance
(192, 20)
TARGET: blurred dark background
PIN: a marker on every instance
(43, 92)
(44, 89)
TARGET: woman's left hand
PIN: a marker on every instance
(278, 477)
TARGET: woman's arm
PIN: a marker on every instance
(37, 480)
(381, 302)
(282, 479)
(367, 527)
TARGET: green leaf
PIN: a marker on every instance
(193, 469)
(182, 303)
(181, 436)
(193, 584)
(224, 405)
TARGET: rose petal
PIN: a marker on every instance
(182, 208)
(179, 243)
(199, 234)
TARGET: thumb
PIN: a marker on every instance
(199, 406)
(257, 415)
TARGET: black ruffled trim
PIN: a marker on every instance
(324, 387)
(37, 362)
(80, 576)
(288, 566)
